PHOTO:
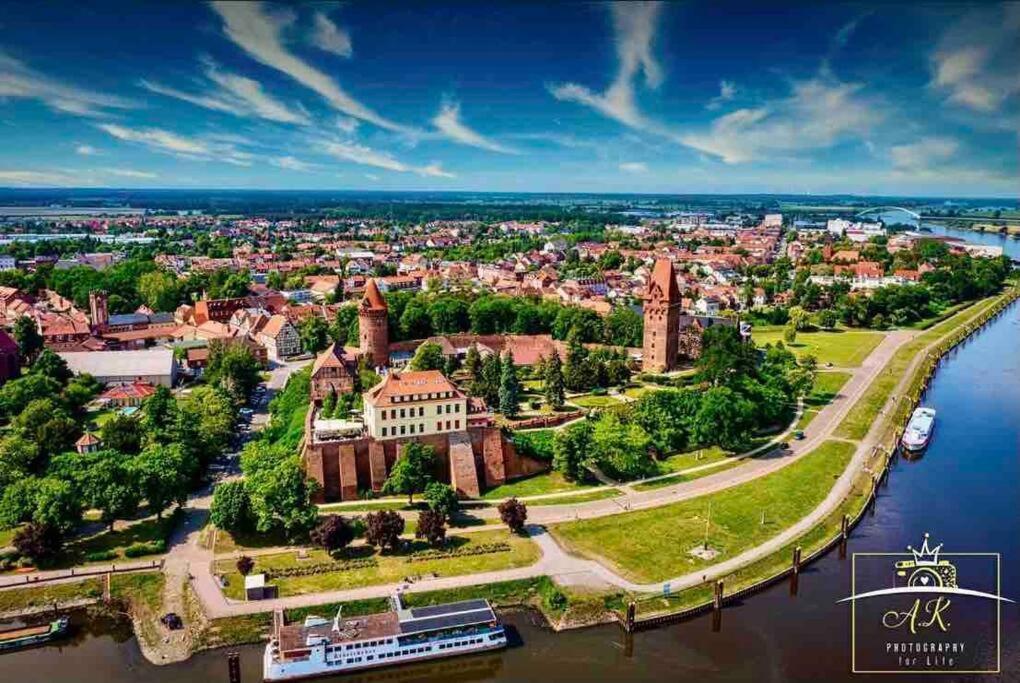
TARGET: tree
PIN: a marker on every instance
(109, 485)
(231, 508)
(412, 471)
(205, 423)
(441, 498)
(431, 527)
(509, 387)
(383, 529)
(514, 514)
(17, 502)
(724, 418)
(333, 532)
(827, 318)
(57, 505)
(18, 393)
(624, 327)
(159, 290)
(234, 368)
(667, 415)
(486, 382)
(473, 362)
(49, 364)
(163, 472)
(38, 541)
(724, 355)
(428, 356)
(571, 449)
(575, 376)
(621, 449)
(314, 334)
(18, 457)
(790, 333)
(244, 565)
(45, 422)
(79, 392)
(554, 388)
(26, 333)
(159, 415)
(279, 490)
(122, 433)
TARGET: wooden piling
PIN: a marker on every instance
(631, 614)
(234, 667)
(718, 596)
(796, 560)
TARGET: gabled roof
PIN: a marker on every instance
(664, 281)
(408, 384)
(373, 299)
(333, 357)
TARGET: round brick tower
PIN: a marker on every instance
(373, 327)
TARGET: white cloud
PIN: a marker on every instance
(346, 124)
(19, 80)
(256, 31)
(727, 91)
(235, 94)
(20, 178)
(818, 114)
(159, 139)
(371, 176)
(942, 159)
(634, 27)
(923, 154)
(129, 173)
(449, 124)
(977, 61)
(330, 37)
(210, 148)
(86, 150)
(634, 167)
(366, 156)
(291, 164)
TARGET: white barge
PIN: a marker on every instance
(323, 647)
(919, 429)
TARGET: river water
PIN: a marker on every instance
(965, 491)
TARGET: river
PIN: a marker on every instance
(964, 491)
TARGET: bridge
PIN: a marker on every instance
(913, 214)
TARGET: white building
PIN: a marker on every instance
(414, 404)
(855, 230)
(154, 366)
(772, 220)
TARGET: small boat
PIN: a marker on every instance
(17, 636)
(322, 647)
(919, 429)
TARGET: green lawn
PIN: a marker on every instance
(684, 461)
(535, 485)
(592, 401)
(826, 388)
(653, 545)
(843, 348)
(597, 494)
(861, 416)
(6, 536)
(681, 478)
(805, 419)
(40, 596)
(391, 568)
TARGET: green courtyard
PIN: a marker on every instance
(842, 348)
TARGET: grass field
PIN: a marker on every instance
(597, 494)
(842, 348)
(690, 476)
(391, 568)
(6, 536)
(860, 418)
(535, 485)
(592, 401)
(826, 388)
(653, 545)
(683, 461)
(40, 596)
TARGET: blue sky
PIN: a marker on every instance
(636, 97)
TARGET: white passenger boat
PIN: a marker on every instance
(919, 429)
(323, 647)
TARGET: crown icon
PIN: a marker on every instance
(926, 556)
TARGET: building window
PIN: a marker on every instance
(384, 431)
(439, 426)
(421, 411)
(402, 412)
(456, 424)
(456, 407)
(402, 430)
(439, 410)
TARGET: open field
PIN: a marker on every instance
(842, 348)
(535, 485)
(826, 388)
(389, 567)
(593, 401)
(681, 478)
(655, 544)
(595, 494)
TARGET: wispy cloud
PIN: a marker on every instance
(86, 150)
(819, 113)
(977, 61)
(330, 37)
(449, 124)
(366, 156)
(209, 148)
(25, 178)
(727, 91)
(634, 28)
(129, 173)
(234, 94)
(940, 158)
(291, 164)
(259, 33)
(19, 80)
(634, 167)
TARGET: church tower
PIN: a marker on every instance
(662, 319)
(373, 327)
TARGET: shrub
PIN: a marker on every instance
(514, 514)
(244, 565)
(383, 529)
(101, 556)
(40, 542)
(333, 532)
(442, 553)
(145, 548)
(431, 526)
(231, 507)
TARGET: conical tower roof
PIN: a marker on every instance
(373, 298)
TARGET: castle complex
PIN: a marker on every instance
(347, 456)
